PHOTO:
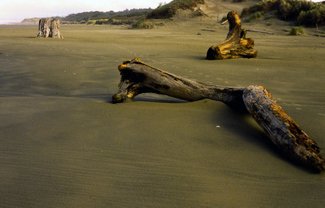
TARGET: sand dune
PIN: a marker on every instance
(63, 144)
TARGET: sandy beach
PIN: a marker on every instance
(63, 144)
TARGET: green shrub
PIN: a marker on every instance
(121, 21)
(302, 12)
(91, 22)
(254, 16)
(296, 31)
(143, 24)
(101, 21)
(290, 9)
(169, 10)
(312, 17)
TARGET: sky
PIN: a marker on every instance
(16, 10)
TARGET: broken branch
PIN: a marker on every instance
(138, 77)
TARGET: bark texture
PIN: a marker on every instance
(138, 77)
(282, 130)
(44, 27)
(236, 44)
(55, 29)
(48, 27)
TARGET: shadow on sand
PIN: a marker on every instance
(240, 123)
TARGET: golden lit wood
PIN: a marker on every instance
(138, 77)
(236, 44)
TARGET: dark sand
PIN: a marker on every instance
(63, 144)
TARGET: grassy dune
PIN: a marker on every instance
(63, 144)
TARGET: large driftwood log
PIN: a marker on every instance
(44, 27)
(236, 44)
(55, 29)
(138, 77)
(48, 27)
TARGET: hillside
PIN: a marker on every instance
(219, 8)
(299, 12)
(30, 21)
(96, 17)
(169, 10)
(108, 17)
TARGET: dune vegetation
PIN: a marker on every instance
(301, 12)
(109, 17)
(169, 10)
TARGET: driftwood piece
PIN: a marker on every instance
(48, 27)
(282, 130)
(138, 77)
(55, 29)
(236, 44)
(44, 27)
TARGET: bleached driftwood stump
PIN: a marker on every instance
(48, 27)
(138, 77)
(55, 29)
(44, 27)
(236, 44)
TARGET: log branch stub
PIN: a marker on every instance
(236, 44)
(138, 77)
(282, 130)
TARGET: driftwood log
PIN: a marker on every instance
(44, 27)
(236, 44)
(55, 29)
(138, 77)
(48, 27)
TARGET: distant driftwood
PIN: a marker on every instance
(236, 44)
(138, 77)
(48, 27)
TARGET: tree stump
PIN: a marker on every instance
(48, 27)
(55, 29)
(236, 44)
(44, 27)
(138, 77)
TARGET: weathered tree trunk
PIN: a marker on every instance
(236, 44)
(40, 31)
(282, 130)
(55, 29)
(44, 27)
(48, 27)
(137, 78)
